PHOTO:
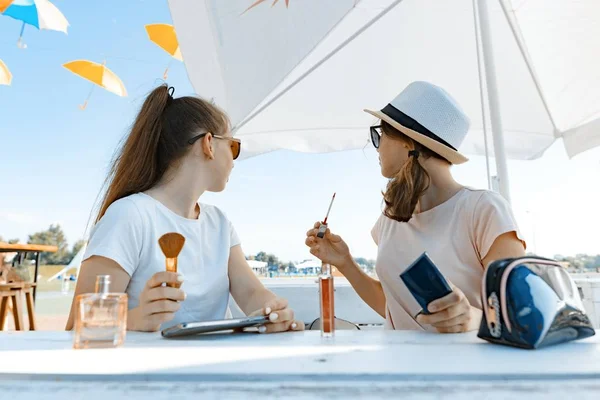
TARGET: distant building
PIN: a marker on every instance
(309, 267)
(259, 267)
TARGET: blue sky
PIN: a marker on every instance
(54, 157)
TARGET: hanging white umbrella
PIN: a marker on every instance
(298, 77)
(41, 14)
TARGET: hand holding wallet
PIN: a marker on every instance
(425, 282)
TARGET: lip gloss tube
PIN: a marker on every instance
(326, 301)
(326, 290)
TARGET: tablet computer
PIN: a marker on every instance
(194, 328)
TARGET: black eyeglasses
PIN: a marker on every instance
(236, 144)
(376, 135)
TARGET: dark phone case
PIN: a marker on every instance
(425, 282)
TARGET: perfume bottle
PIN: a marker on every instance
(326, 300)
(101, 317)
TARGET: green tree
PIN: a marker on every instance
(272, 260)
(53, 236)
(261, 256)
(9, 241)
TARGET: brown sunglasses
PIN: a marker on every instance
(236, 144)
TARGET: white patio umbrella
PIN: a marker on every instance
(74, 264)
(298, 77)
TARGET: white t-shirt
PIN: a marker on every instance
(128, 233)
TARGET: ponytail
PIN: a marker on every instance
(404, 190)
(158, 138)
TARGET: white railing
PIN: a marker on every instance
(302, 294)
(589, 290)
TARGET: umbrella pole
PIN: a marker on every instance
(494, 102)
(20, 43)
(166, 73)
(482, 96)
(85, 103)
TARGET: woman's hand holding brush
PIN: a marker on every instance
(158, 304)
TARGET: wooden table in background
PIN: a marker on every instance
(37, 249)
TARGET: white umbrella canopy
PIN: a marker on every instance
(298, 77)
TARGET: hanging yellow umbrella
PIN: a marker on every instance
(163, 35)
(5, 75)
(99, 75)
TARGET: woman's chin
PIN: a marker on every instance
(386, 174)
(218, 188)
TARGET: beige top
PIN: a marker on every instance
(457, 235)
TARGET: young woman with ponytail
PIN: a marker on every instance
(425, 209)
(178, 148)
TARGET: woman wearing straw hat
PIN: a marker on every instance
(426, 210)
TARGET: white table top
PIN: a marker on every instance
(351, 359)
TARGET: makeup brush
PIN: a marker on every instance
(171, 245)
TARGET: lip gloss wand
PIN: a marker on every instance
(326, 289)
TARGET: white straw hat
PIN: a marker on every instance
(430, 116)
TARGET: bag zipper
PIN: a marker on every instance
(490, 303)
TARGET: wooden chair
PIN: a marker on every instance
(14, 292)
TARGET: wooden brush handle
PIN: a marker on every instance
(172, 267)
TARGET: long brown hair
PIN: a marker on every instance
(158, 138)
(404, 190)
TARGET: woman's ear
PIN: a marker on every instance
(207, 146)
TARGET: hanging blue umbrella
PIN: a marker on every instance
(38, 13)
